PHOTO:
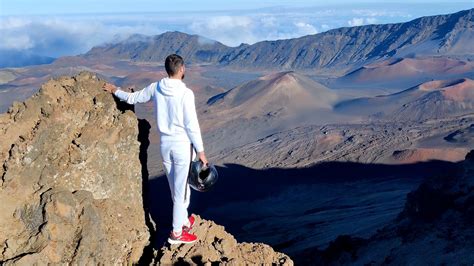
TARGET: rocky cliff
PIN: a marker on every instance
(71, 184)
(73, 165)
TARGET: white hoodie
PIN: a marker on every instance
(175, 110)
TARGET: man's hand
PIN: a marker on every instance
(202, 157)
(111, 88)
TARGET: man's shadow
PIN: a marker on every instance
(238, 183)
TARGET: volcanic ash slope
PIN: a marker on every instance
(429, 100)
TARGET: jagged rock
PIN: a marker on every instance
(70, 181)
(215, 245)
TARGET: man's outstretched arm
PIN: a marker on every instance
(141, 96)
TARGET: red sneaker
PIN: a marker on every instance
(191, 223)
(184, 238)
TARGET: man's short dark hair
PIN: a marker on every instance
(172, 64)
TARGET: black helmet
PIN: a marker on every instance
(202, 178)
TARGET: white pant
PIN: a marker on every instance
(176, 158)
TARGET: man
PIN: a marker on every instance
(179, 127)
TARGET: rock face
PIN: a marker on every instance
(215, 245)
(71, 178)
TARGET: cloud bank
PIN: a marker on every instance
(55, 36)
(234, 30)
(361, 21)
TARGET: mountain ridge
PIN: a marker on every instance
(156, 48)
(340, 48)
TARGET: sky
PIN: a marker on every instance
(57, 28)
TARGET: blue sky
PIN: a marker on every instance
(68, 27)
(48, 7)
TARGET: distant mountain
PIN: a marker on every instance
(435, 35)
(342, 48)
(193, 48)
(434, 99)
(10, 58)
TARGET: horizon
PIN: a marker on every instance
(53, 30)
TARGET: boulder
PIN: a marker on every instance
(215, 245)
(71, 178)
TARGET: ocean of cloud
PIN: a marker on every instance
(56, 36)
(234, 30)
(59, 36)
(53, 37)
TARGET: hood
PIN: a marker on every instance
(170, 87)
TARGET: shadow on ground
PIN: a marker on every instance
(288, 208)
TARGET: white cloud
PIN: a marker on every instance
(371, 20)
(356, 22)
(380, 13)
(305, 28)
(234, 30)
(226, 29)
(361, 21)
(56, 37)
(204, 40)
(75, 34)
(16, 42)
(269, 21)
